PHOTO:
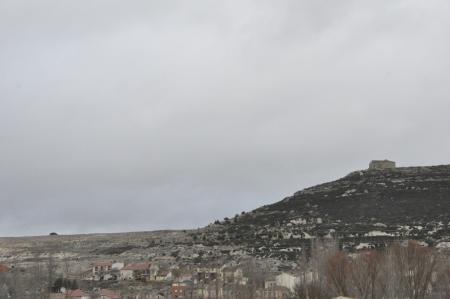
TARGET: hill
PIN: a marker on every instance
(366, 208)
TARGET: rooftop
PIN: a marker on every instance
(102, 264)
(137, 266)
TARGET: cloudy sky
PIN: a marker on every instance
(141, 115)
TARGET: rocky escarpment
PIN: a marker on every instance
(364, 209)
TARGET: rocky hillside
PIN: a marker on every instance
(363, 209)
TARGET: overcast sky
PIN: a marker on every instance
(142, 115)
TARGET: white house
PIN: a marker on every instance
(77, 294)
(117, 266)
(126, 273)
(287, 280)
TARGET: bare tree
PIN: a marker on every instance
(365, 275)
(311, 290)
(256, 276)
(50, 267)
(409, 270)
(338, 268)
(313, 270)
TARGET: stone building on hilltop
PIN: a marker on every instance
(381, 164)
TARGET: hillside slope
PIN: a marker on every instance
(364, 209)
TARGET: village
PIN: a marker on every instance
(149, 280)
(328, 272)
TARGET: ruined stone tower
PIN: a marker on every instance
(381, 164)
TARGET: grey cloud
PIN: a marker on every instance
(173, 114)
